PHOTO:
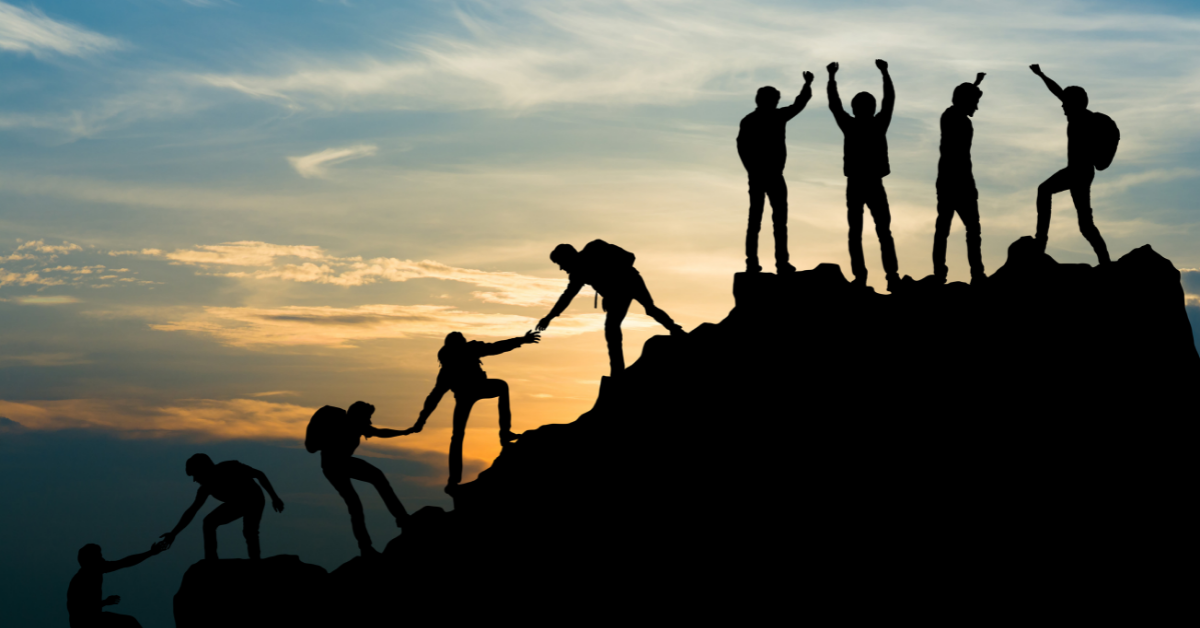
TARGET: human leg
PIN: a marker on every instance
(615, 308)
(876, 199)
(968, 210)
(359, 469)
(498, 388)
(338, 474)
(1081, 194)
(854, 215)
(641, 294)
(221, 515)
(1057, 182)
(778, 193)
(941, 232)
(462, 411)
(757, 201)
(251, 517)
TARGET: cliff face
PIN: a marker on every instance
(826, 445)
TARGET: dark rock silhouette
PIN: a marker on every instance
(827, 448)
(274, 591)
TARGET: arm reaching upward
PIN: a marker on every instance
(835, 102)
(573, 289)
(889, 95)
(188, 514)
(802, 98)
(276, 503)
(1050, 84)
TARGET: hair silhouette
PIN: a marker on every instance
(956, 191)
(85, 596)
(865, 164)
(336, 433)
(762, 146)
(461, 372)
(609, 269)
(233, 483)
(1091, 141)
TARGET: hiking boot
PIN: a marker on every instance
(677, 332)
(507, 436)
(860, 281)
(451, 489)
(784, 268)
(753, 267)
(978, 279)
(894, 284)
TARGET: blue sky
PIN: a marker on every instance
(218, 216)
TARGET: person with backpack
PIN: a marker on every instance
(336, 433)
(865, 164)
(609, 269)
(956, 191)
(85, 599)
(463, 374)
(230, 482)
(762, 147)
(1091, 143)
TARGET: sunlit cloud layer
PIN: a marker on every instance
(32, 32)
(318, 163)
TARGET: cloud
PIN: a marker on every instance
(276, 393)
(1191, 280)
(9, 426)
(155, 252)
(25, 279)
(34, 33)
(46, 359)
(315, 165)
(336, 327)
(29, 250)
(47, 300)
(244, 253)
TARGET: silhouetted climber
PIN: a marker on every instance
(956, 190)
(609, 269)
(461, 372)
(1091, 143)
(233, 483)
(336, 433)
(761, 145)
(85, 597)
(865, 164)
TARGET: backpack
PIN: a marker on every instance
(609, 257)
(1105, 136)
(323, 426)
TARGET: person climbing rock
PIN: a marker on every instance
(230, 482)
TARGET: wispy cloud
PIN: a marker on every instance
(34, 248)
(337, 327)
(46, 359)
(27, 278)
(34, 33)
(47, 300)
(317, 164)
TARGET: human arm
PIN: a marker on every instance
(188, 514)
(979, 78)
(496, 348)
(889, 95)
(110, 601)
(1050, 84)
(802, 98)
(129, 561)
(276, 503)
(835, 102)
(573, 289)
(431, 402)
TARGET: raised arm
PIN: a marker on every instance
(188, 514)
(802, 98)
(1050, 84)
(889, 95)
(276, 503)
(835, 103)
(573, 289)
(131, 560)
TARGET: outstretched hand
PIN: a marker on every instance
(167, 540)
(159, 547)
(808, 77)
(881, 64)
(1037, 69)
(542, 324)
(979, 78)
(277, 504)
(532, 337)
(832, 67)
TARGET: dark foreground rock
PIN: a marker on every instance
(275, 591)
(1020, 448)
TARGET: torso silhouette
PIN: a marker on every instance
(84, 595)
(761, 139)
(954, 165)
(1079, 140)
(462, 369)
(865, 149)
(596, 267)
(232, 482)
(344, 438)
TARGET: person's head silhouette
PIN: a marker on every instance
(90, 556)
(360, 409)
(767, 97)
(1074, 100)
(966, 97)
(863, 105)
(564, 255)
(198, 466)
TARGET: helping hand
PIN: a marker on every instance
(277, 504)
(159, 547)
(832, 67)
(167, 540)
(543, 324)
(881, 64)
(532, 337)
(808, 77)
(1037, 69)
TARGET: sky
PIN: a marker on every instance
(218, 216)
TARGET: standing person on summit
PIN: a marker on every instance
(956, 192)
(865, 164)
(1091, 141)
(761, 145)
(336, 433)
(462, 373)
(609, 269)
